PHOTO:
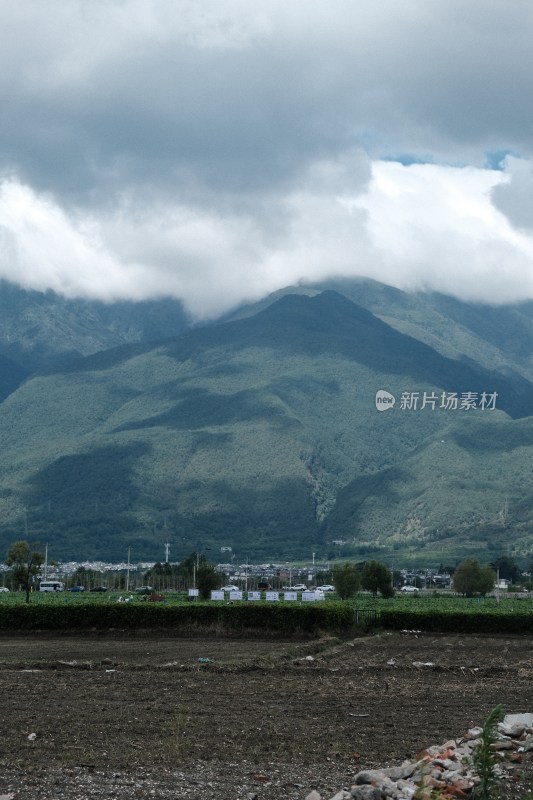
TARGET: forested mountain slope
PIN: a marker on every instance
(261, 434)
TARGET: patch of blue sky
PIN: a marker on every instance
(494, 159)
(407, 159)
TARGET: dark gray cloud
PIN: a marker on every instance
(247, 95)
(216, 150)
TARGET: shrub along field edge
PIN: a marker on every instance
(457, 622)
(272, 618)
(263, 619)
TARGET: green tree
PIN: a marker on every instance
(323, 577)
(207, 578)
(79, 577)
(346, 580)
(487, 580)
(188, 566)
(376, 577)
(470, 578)
(162, 576)
(25, 562)
(507, 568)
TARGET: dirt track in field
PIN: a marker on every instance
(146, 716)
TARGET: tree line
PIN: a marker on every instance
(469, 577)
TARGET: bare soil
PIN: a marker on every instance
(139, 716)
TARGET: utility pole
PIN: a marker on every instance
(167, 551)
(128, 571)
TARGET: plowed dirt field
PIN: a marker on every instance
(150, 716)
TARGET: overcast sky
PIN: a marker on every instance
(217, 150)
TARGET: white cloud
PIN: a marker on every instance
(437, 229)
(216, 151)
(42, 248)
(514, 196)
(417, 227)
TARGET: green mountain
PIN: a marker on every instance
(464, 492)
(496, 337)
(11, 376)
(262, 434)
(41, 330)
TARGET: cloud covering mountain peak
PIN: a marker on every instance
(217, 152)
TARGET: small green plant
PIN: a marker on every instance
(424, 788)
(180, 740)
(483, 759)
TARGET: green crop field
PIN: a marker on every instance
(446, 604)
(80, 598)
(426, 604)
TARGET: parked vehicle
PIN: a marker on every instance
(326, 588)
(409, 589)
(77, 589)
(230, 589)
(299, 587)
(4, 589)
(144, 590)
(99, 589)
(51, 586)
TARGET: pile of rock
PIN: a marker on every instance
(446, 770)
